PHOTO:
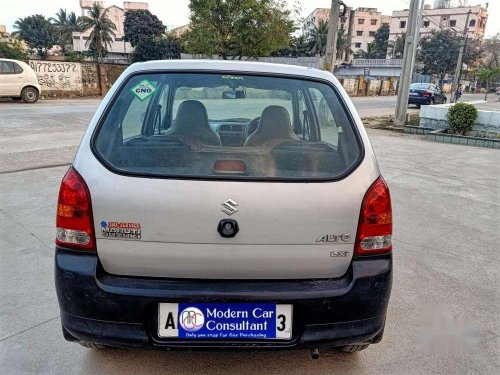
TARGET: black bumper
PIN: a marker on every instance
(419, 100)
(122, 311)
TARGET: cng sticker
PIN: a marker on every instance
(143, 90)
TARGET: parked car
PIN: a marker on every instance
(425, 94)
(192, 220)
(18, 81)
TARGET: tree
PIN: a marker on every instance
(439, 53)
(298, 47)
(487, 75)
(12, 51)
(396, 47)
(378, 48)
(65, 24)
(141, 24)
(343, 44)
(234, 29)
(370, 53)
(38, 33)
(103, 29)
(317, 38)
(157, 48)
(491, 52)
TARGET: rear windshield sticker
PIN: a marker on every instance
(143, 90)
(118, 229)
(228, 76)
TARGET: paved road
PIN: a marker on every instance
(443, 315)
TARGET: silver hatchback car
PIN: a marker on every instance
(224, 204)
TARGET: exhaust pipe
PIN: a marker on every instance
(315, 353)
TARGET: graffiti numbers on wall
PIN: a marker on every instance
(62, 76)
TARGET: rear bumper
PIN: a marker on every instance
(121, 311)
(419, 100)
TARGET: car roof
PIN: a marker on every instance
(229, 66)
(17, 61)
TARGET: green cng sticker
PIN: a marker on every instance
(143, 90)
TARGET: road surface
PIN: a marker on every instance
(443, 314)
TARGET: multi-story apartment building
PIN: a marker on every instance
(119, 49)
(366, 22)
(323, 14)
(443, 19)
(361, 24)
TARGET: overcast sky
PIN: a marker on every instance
(176, 12)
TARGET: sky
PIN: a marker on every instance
(176, 12)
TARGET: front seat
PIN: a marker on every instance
(274, 125)
(191, 123)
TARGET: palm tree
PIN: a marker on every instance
(487, 75)
(103, 29)
(318, 38)
(343, 45)
(65, 23)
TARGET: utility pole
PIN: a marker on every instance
(331, 42)
(458, 70)
(412, 36)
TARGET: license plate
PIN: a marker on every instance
(225, 321)
(413, 93)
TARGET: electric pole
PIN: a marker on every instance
(411, 42)
(458, 71)
(331, 42)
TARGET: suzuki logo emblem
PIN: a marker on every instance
(229, 207)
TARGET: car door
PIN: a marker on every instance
(12, 78)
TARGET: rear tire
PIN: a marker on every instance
(353, 348)
(92, 345)
(29, 95)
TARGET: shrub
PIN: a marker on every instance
(461, 117)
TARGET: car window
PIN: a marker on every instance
(7, 67)
(185, 125)
(17, 68)
(327, 126)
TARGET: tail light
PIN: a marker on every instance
(426, 93)
(74, 221)
(375, 221)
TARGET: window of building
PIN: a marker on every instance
(357, 45)
(361, 21)
(373, 22)
(472, 23)
(359, 33)
(453, 23)
(402, 24)
(426, 23)
(372, 33)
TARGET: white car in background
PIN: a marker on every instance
(18, 81)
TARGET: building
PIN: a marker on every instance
(366, 22)
(323, 14)
(443, 18)
(361, 24)
(180, 31)
(119, 50)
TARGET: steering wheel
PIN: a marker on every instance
(251, 127)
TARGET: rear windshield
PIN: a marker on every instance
(419, 86)
(229, 127)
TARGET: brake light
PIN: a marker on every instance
(426, 93)
(74, 221)
(375, 221)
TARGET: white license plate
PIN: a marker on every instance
(413, 93)
(225, 321)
